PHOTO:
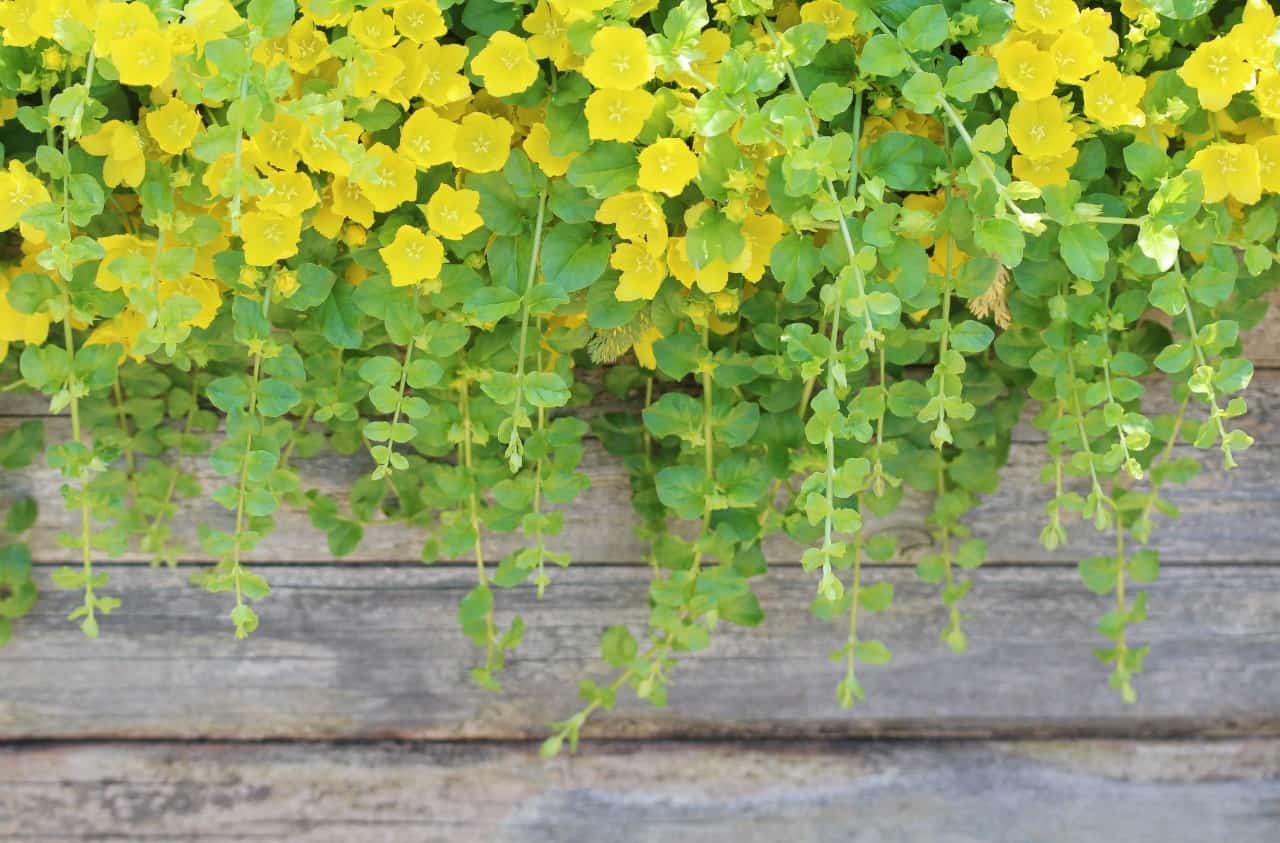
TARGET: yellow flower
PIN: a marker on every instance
(1095, 24)
(19, 192)
(1039, 129)
(619, 59)
(205, 292)
(305, 46)
(1048, 16)
(326, 12)
(1229, 169)
(548, 36)
(452, 213)
(30, 328)
(442, 80)
(637, 216)
(1075, 56)
(577, 10)
(412, 257)
(946, 255)
(419, 20)
(1267, 94)
(269, 237)
(117, 22)
(641, 272)
(373, 28)
(173, 126)
(643, 347)
(120, 246)
(832, 14)
(322, 150)
(17, 21)
(1269, 163)
(209, 20)
(763, 231)
(427, 139)
(285, 283)
(349, 202)
(1114, 100)
(123, 330)
(373, 73)
(289, 193)
(1043, 172)
(667, 166)
(617, 115)
(505, 64)
(144, 58)
(121, 144)
(1027, 69)
(1217, 72)
(391, 179)
(711, 278)
(277, 141)
(1256, 36)
(482, 143)
(537, 145)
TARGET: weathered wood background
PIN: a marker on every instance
(349, 714)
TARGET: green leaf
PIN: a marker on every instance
(795, 262)
(1099, 574)
(1181, 9)
(829, 100)
(970, 337)
(271, 17)
(674, 414)
(275, 398)
(340, 318)
(545, 389)
(22, 514)
(1084, 250)
(923, 92)
(1175, 357)
(905, 162)
(876, 598)
(975, 75)
(1001, 237)
(682, 489)
(924, 29)
(679, 355)
(618, 646)
(1144, 565)
(872, 652)
(882, 56)
(605, 168)
(574, 256)
(315, 282)
(713, 236)
(489, 304)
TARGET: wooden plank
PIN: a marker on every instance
(373, 652)
(950, 792)
(1225, 517)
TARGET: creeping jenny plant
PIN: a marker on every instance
(825, 249)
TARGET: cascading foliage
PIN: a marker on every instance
(824, 251)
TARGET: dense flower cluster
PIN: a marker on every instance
(402, 227)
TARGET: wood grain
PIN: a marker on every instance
(374, 652)
(1226, 517)
(833, 792)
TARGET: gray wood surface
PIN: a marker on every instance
(374, 652)
(1225, 517)
(102, 740)
(831, 792)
